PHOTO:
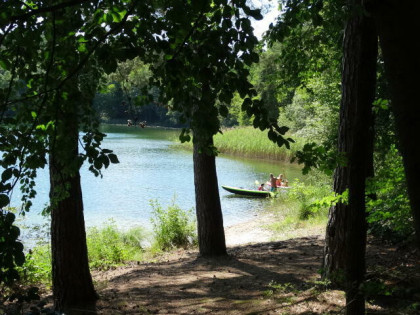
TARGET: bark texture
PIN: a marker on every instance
(334, 251)
(346, 230)
(211, 234)
(358, 91)
(398, 26)
(72, 282)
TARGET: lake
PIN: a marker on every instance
(152, 167)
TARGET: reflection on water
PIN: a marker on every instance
(151, 168)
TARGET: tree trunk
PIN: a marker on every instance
(398, 27)
(334, 251)
(359, 82)
(211, 235)
(346, 230)
(72, 283)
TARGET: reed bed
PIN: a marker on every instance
(254, 143)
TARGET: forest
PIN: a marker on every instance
(329, 87)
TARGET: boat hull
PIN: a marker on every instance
(248, 192)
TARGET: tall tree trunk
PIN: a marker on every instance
(72, 283)
(359, 82)
(211, 235)
(399, 27)
(346, 230)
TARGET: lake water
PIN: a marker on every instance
(152, 168)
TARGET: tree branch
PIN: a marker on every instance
(52, 8)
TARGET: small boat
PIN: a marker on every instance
(248, 192)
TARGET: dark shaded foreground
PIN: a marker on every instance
(265, 278)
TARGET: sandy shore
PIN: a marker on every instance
(249, 232)
(257, 230)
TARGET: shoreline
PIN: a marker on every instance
(249, 232)
(257, 230)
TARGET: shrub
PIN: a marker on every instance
(11, 249)
(310, 199)
(37, 267)
(389, 213)
(304, 204)
(172, 227)
(108, 246)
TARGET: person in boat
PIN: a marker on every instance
(261, 188)
(129, 122)
(285, 183)
(273, 183)
(279, 180)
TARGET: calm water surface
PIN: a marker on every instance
(152, 168)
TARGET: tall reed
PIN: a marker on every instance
(251, 142)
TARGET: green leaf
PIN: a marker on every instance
(108, 18)
(82, 47)
(282, 130)
(7, 174)
(116, 17)
(3, 64)
(98, 164)
(105, 161)
(223, 110)
(226, 24)
(4, 200)
(280, 141)
(113, 158)
(272, 135)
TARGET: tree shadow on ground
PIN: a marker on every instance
(233, 284)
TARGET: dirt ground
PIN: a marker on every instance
(260, 276)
